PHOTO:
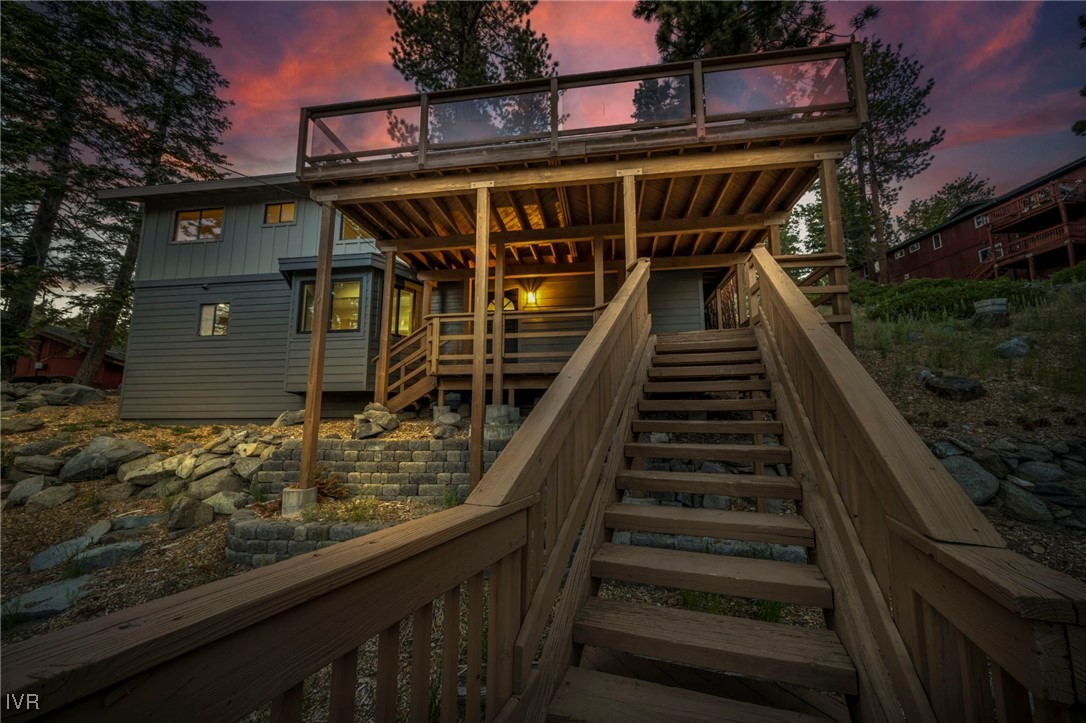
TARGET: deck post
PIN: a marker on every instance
(775, 240)
(629, 218)
(427, 298)
(835, 243)
(498, 334)
(384, 328)
(741, 295)
(478, 346)
(314, 388)
(597, 276)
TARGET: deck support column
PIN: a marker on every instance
(478, 346)
(1032, 268)
(384, 329)
(835, 243)
(499, 322)
(774, 240)
(597, 276)
(629, 217)
(314, 388)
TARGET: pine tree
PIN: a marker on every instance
(174, 119)
(1079, 128)
(927, 213)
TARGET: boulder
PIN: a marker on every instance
(958, 389)
(102, 457)
(188, 512)
(444, 431)
(992, 461)
(136, 464)
(67, 394)
(155, 472)
(222, 481)
(1023, 505)
(447, 418)
(48, 600)
(40, 446)
(247, 467)
(165, 488)
(375, 407)
(97, 558)
(250, 449)
(188, 465)
(979, 484)
(1015, 348)
(210, 466)
(226, 503)
(943, 449)
(27, 487)
(385, 420)
(32, 401)
(97, 530)
(716, 502)
(62, 552)
(290, 418)
(49, 498)
(117, 492)
(1040, 472)
(14, 425)
(134, 522)
(1034, 453)
(363, 429)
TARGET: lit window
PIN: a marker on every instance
(279, 212)
(198, 226)
(345, 306)
(981, 220)
(984, 254)
(936, 242)
(900, 254)
(350, 231)
(914, 247)
(403, 312)
(214, 319)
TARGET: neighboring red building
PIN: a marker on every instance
(1028, 233)
(56, 354)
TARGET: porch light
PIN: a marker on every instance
(531, 300)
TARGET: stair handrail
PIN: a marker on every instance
(989, 632)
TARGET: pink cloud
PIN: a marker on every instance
(1010, 35)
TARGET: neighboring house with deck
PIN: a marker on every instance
(56, 355)
(1028, 233)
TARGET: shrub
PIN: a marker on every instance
(1075, 274)
(948, 298)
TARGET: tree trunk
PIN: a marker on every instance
(865, 239)
(880, 230)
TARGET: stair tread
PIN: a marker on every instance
(773, 651)
(718, 357)
(739, 485)
(731, 385)
(722, 524)
(788, 582)
(771, 453)
(594, 697)
(706, 370)
(707, 405)
(703, 426)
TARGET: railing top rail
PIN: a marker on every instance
(910, 476)
(521, 313)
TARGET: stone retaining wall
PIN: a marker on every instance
(254, 541)
(386, 469)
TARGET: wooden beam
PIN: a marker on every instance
(629, 219)
(686, 165)
(314, 388)
(499, 323)
(667, 227)
(597, 274)
(384, 323)
(775, 240)
(586, 268)
(478, 349)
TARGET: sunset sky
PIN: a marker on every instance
(1007, 74)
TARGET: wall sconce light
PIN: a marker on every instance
(531, 300)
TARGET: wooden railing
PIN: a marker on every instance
(475, 585)
(1035, 243)
(408, 360)
(706, 99)
(1041, 198)
(942, 621)
(452, 336)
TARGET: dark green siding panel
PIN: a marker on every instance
(675, 301)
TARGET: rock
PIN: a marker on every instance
(211, 466)
(407, 415)
(165, 488)
(31, 401)
(375, 407)
(59, 553)
(98, 558)
(944, 449)
(188, 512)
(444, 431)
(716, 502)
(1040, 472)
(992, 462)
(1072, 467)
(155, 472)
(97, 530)
(1004, 445)
(49, 498)
(226, 503)
(137, 464)
(364, 428)
(15, 425)
(1034, 453)
(41, 446)
(102, 457)
(712, 468)
(250, 449)
(924, 375)
(979, 484)
(135, 522)
(1014, 348)
(188, 465)
(958, 389)
(290, 418)
(48, 600)
(117, 492)
(247, 467)
(788, 553)
(448, 418)
(1023, 505)
(27, 487)
(1020, 482)
(385, 420)
(965, 442)
(222, 481)
(1047, 488)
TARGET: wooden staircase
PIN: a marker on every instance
(705, 431)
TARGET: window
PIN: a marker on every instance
(981, 220)
(345, 309)
(403, 312)
(999, 250)
(914, 247)
(198, 226)
(907, 277)
(214, 319)
(276, 213)
(984, 254)
(899, 254)
(937, 242)
(350, 231)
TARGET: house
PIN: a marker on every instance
(222, 314)
(1028, 233)
(56, 355)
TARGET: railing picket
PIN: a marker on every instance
(421, 631)
(1011, 697)
(475, 649)
(450, 658)
(503, 624)
(388, 668)
(287, 706)
(341, 702)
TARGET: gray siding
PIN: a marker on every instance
(675, 301)
(172, 373)
(247, 245)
